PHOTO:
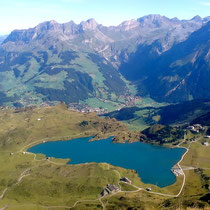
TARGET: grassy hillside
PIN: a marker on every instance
(30, 124)
(29, 181)
(57, 74)
(163, 134)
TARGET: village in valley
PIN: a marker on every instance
(85, 108)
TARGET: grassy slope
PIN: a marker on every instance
(21, 129)
(52, 182)
(194, 187)
(28, 71)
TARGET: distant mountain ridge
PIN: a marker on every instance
(73, 62)
(2, 38)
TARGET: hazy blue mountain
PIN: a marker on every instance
(2, 38)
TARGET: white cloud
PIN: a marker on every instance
(205, 3)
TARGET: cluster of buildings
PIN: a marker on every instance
(131, 100)
(84, 108)
(197, 128)
(207, 137)
(110, 188)
(177, 171)
(205, 143)
(128, 100)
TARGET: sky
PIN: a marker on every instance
(22, 14)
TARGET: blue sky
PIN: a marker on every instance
(20, 14)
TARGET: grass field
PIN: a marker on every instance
(198, 156)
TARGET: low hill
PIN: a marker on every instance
(163, 134)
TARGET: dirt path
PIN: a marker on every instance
(3, 193)
(22, 175)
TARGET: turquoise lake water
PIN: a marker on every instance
(153, 163)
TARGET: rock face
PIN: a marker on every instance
(73, 62)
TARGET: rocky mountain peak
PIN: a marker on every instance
(70, 28)
(52, 22)
(90, 24)
(129, 24)
(197, 18)
(153, 20)
(48, 26)
(175, 20)
(152, 17)
(38, 32)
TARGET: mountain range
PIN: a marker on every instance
(165, 59)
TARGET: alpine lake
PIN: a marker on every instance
(153, 163)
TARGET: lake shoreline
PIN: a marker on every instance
(129, 148)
